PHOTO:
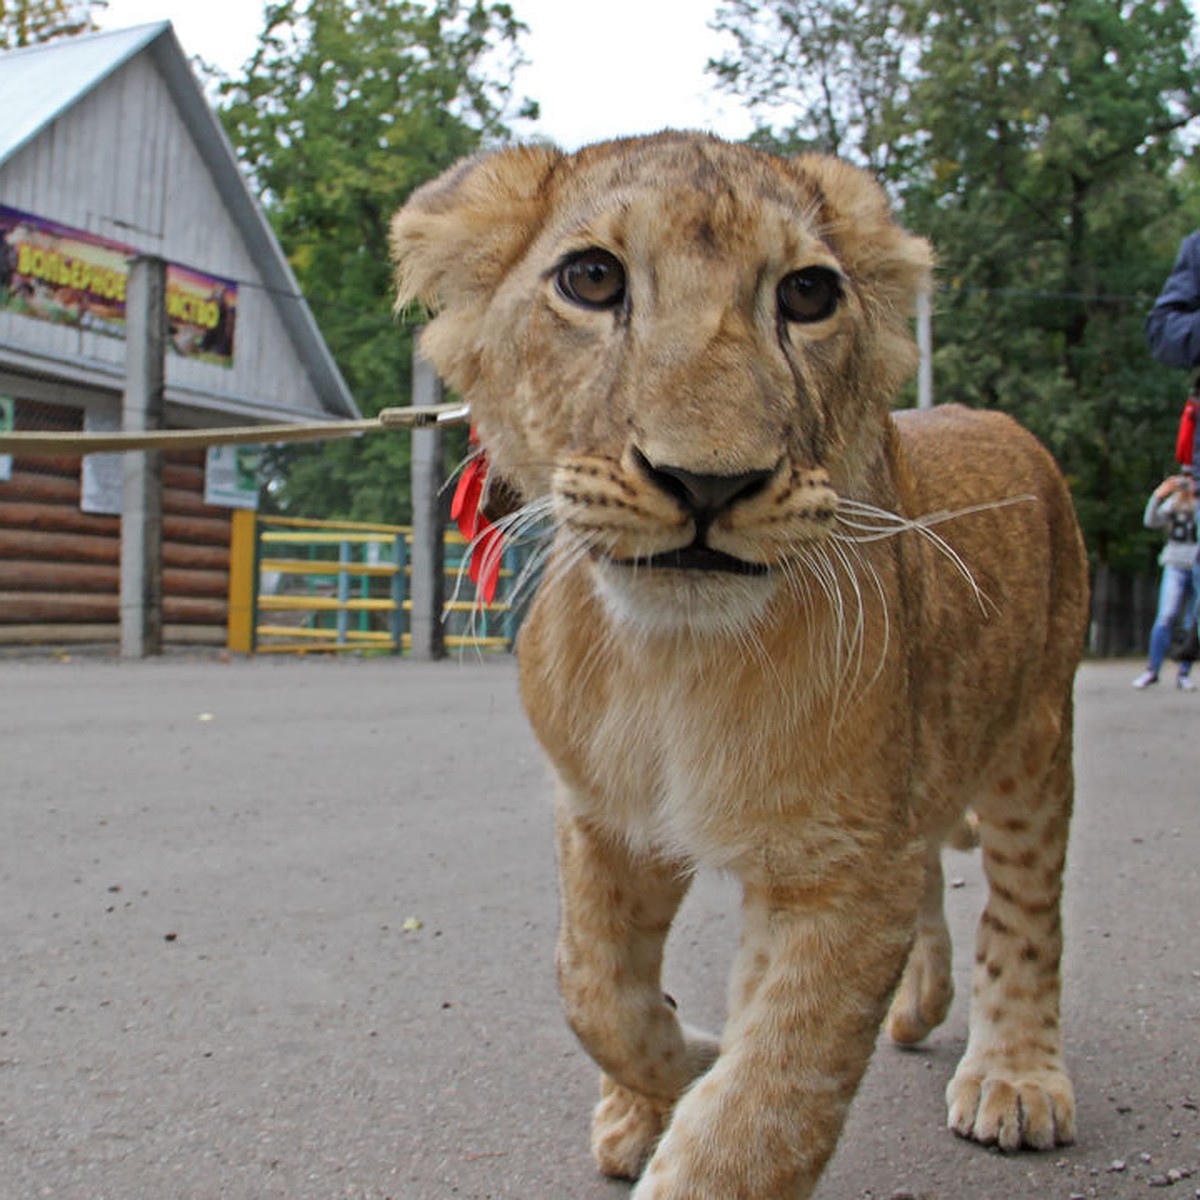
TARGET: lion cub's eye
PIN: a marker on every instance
(809, 295)
(593, 278)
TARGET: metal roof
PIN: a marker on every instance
(39, 83)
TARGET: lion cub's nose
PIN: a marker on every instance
(703, 495)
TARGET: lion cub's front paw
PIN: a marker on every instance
(1012, 1109)
(626, 1127)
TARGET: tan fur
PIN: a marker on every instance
(817, 729)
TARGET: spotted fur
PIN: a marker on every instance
(804, 681)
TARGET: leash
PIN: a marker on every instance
(485, 541)
(79, 444)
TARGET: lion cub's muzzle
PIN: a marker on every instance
(643, 516)
(703, 498)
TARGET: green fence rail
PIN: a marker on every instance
(338, 586)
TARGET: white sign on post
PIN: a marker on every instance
(102, 480)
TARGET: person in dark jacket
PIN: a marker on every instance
(1173, 324)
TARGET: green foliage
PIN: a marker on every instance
(28, 22)
(841, 64)
(344, 109)
(1047, 169)
(1034, 144)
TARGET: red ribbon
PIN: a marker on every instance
(1186, 438)
(485, 539)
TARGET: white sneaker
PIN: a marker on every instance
(1185, 684)
(1145, 679)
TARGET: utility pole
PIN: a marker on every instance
(428, 553)
(141, 496)
(925, 348)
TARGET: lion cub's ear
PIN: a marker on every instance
(456, 236)
(858, 222)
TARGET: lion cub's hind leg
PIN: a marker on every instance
(1011, 1088)
(923, 998)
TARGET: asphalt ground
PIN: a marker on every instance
(285, 929)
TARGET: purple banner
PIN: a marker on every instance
(56, 273)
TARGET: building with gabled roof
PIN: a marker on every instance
(109, 150)
(111, 133)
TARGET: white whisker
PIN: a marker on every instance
(861, 523)
(869, 569)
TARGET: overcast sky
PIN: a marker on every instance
(598, 68)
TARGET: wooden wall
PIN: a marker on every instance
(59, 566)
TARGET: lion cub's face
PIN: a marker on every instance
(687, 346)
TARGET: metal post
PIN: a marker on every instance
(345, 556)
(512, 563)
(925, 349)
(428, 583)
(399, 591)
(141, 497)
(243, 577)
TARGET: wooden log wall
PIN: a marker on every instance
(59, 566)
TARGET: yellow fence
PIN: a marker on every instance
(300, 586)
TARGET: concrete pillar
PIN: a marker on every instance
(141, 499)
(428, 590)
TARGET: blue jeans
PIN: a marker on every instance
(1179, 591)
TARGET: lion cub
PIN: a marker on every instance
(781, 631)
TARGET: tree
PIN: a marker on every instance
(1046, 180)
(841, 66)
(345, 108)
(1034, 143)
(27, 22)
